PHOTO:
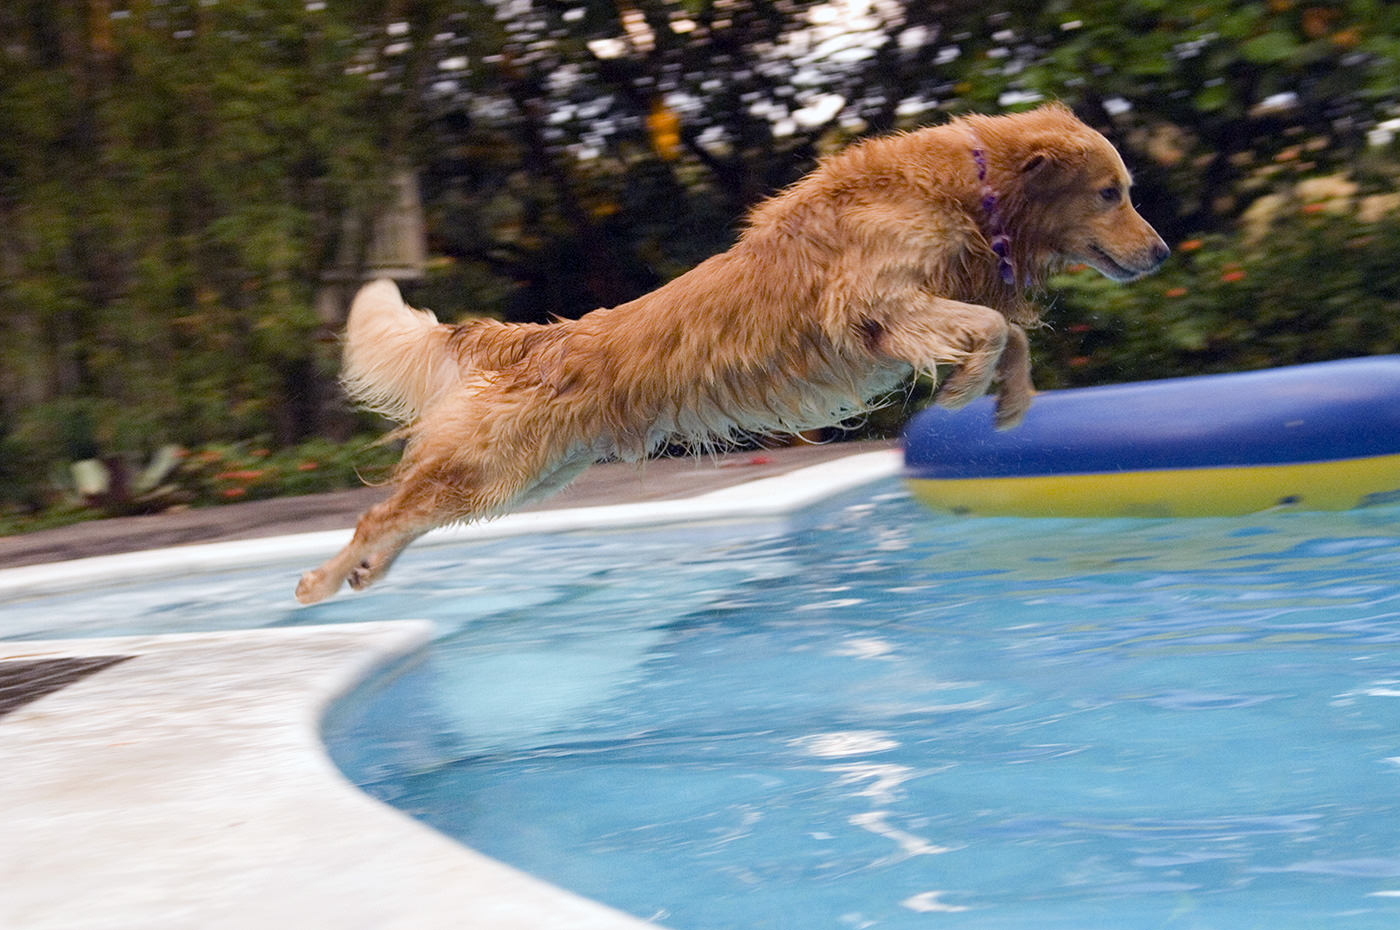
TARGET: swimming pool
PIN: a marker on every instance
(882, 719)
(873, 717)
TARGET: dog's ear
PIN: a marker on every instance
(1033, 164)
(1045, 169)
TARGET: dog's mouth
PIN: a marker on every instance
(1112, 268)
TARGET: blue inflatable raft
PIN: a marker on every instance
(1323, 436)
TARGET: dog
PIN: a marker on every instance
(896, 255)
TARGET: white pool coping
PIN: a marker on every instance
(764, 498)
(189, 786)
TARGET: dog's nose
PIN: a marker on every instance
(1160, 251)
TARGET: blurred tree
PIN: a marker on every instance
(588, 151)
(173, 178)
(582, 152)
(627, 132)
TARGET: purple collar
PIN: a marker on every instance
(1001, 240)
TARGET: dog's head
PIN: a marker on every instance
(1066, 191)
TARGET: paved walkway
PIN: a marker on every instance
(661, 479)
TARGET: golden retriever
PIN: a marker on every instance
(894, 256)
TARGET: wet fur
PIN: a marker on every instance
(874, 266)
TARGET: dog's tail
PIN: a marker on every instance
(397, 359)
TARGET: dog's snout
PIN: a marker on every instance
(1160, 251)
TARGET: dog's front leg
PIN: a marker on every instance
(927, 331)
(1014, 377)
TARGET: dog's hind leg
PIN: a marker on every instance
(469, 460)
(417, 505)
(394, 540)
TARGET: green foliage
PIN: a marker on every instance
(581, 152)
(1317, 286)
(172, 182)
(221, 474)
(210, 475)
(120, 486)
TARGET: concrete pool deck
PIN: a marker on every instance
(181, 781)
(657, 480)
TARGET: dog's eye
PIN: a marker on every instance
(1111, 194)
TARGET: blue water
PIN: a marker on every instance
(883, 718)
(887, 719)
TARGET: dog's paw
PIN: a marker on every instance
(1011, 408)
(313, 587)
(362, 576)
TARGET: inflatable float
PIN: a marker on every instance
(1322, 436)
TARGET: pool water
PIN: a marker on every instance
(877, 717)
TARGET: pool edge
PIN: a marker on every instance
(775, 496)
(189, 786)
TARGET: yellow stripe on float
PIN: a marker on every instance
(1185, 492)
